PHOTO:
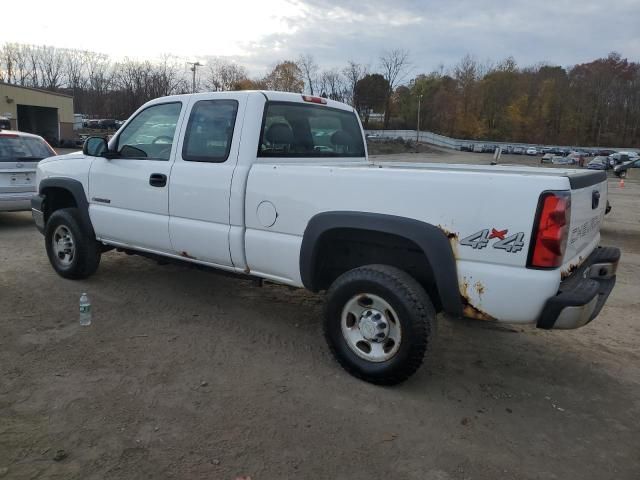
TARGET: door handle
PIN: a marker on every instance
(158, 180)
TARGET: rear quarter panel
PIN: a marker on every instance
(461, 202)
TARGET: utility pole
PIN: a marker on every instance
(418, 129)
(194, 67)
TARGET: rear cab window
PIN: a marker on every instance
(16, 147)
(209, 132)
(299, 130)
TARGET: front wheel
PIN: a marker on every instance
(72, 250)
(379, 323)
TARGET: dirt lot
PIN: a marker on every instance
(187, 374)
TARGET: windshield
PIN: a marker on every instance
(15, 147)
(299, 130)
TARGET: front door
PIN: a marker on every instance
(129, 195)
(200, 185)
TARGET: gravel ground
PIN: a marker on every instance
(188, 374)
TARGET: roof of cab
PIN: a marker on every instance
(270, 95)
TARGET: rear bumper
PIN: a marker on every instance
(37, 211)
(15, 202)
(584, 293)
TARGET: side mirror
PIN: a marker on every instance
(95, 146)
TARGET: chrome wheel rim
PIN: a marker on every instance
(64, 247)
(371, 327)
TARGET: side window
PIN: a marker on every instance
(210, 131)
(300, 130)
(150, 134)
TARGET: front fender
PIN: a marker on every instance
(74, 187)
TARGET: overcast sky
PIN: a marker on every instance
(258, 33)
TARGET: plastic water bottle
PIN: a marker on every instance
(85, 310)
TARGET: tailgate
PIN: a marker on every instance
(588, 204)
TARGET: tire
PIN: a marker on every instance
(81, 257)
(370, 288)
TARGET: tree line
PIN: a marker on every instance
(591, 104)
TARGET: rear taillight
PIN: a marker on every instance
(319, 100)
(550, 231)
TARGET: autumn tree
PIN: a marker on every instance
(394, 65)
(309, 69)
(332, 85)
(371, 94)
(224, 75)
(286, 76)
(353, 73)
(593, 103)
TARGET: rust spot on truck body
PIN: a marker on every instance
(571, 269)
(469, 310)
(450, 235)
(186, 255)
(453, 239)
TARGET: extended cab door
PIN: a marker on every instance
(129, 195)
(200, 184)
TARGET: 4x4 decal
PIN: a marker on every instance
(511, 244)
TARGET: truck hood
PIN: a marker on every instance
(62, 157)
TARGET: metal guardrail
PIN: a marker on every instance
(457, 143)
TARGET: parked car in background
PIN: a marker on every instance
(5, 124)
(599, 163)
(518, 150)
(478, 148)
(621, 169)
(619, 158)
(560, 160)
(108, 124)
(575, 157)
(547, 158)
(532, 151)
(20, 153)
(604, 153)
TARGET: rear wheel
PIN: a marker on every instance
(379, 323)
(72, 250)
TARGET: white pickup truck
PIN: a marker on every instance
(278, 186)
